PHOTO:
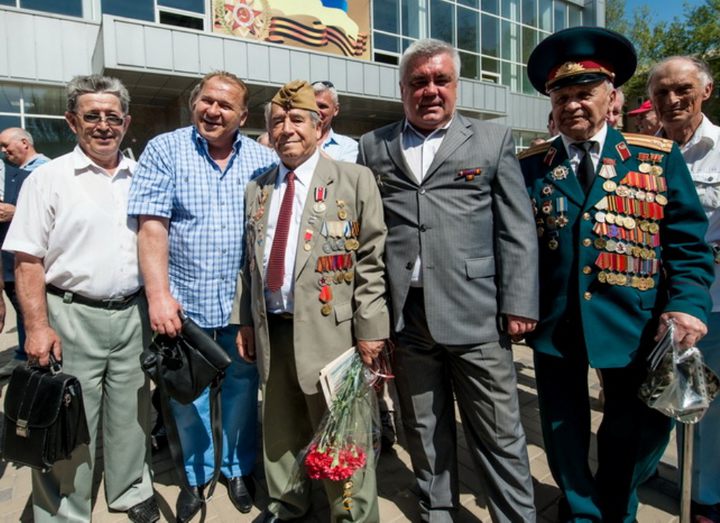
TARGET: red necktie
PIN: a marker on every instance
(276, 263)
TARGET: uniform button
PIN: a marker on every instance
(586, 216)
(423, 228)
(409, 266)
(587, 242)
(587, 269)
(587, 295)
(422, 191)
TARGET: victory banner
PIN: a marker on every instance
(332, 26)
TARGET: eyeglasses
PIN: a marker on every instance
(110, 119)
(326, 83)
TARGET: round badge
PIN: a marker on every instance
(602, 277)
(349, 276)
(610, 218)
(319, 207)
(653, 228)
(547, 190)
(307, 247)
(611, 245)
(326, 309)
(644, 167)
(599, 243)
(629, 222)
(656, 170)
(553, 244)
(622, 191)
(342, 214)
(600, 216)
(609, 185)
(660, 199)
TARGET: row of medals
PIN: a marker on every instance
(340, 242)
(558, 221)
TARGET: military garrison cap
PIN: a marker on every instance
(581, 55)
(297, 94)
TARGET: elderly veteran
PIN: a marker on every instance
(188, 195)
(678, 87)
(462, 273)
(622, 252)
(294, 315)
(78, 281)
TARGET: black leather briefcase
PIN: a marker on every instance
(44, 417)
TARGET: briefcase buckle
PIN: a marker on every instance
(21, 428)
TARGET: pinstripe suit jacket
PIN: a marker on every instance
(475, 234)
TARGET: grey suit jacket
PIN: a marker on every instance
(475, 233)
(359, 310)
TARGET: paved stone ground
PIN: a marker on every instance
(398, 498)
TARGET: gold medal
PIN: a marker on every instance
(660, 199)
(342, 214)
(610, 218)
(656, 170)
(326, 309)
(349, 276)
(609, 185)
(629, 222)
(653, 228)
(602, 277)
(621, 279)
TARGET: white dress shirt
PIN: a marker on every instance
(73, 214)
(282, 300)
(419, 151)
(702, 155)
(340, 147)
(575, 153)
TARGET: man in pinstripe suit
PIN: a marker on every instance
(461, 257)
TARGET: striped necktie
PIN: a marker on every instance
(276, 263)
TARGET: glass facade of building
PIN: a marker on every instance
(494, 37)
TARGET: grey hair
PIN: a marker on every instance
(315, 117)
(702, 68)
(427, 48)
(96, 83)
(18, 133)
(320, 87)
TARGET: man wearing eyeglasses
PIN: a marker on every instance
(336, 146)
(188, 194)
(78, 281)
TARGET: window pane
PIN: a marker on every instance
(491, 65)
(44, 100)
(52, 137)
(529, 16)
(470, 3)
(179, 20)
(560, 15)
(529, 42)
(527, 86)
(387, 43)
(61, 7)
(490, 35)
(8, 121)
(441, 20)
(411, 18)
(511, 9)
(197, 6)
(510, 41)
(510, 76)
(468, 37)
(11, 3)
(491, 6)
(406, 42)
(385, 16)
(545, 18)
(138, 9)
(9, 98)
(574, 16)
(469, 66)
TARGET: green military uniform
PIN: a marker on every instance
(610, 263)
(614, 256)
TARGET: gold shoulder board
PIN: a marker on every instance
(535, 149)
(651, 142)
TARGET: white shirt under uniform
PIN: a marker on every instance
(73, 214)
(283, 300)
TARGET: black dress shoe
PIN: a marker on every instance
(240, 491)
(144, 512)
(188, 504)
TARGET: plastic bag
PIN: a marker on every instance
(678, 383)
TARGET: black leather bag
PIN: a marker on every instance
(44, 417)
(187, 364)
(182, 367)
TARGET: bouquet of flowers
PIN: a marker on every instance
(345, 439)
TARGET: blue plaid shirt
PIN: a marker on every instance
(177, 179)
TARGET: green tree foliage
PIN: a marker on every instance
(697, 33)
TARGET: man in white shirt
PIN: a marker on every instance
(678, 86)
(79, 286)
(336, 146)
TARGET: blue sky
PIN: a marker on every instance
(661, 11)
